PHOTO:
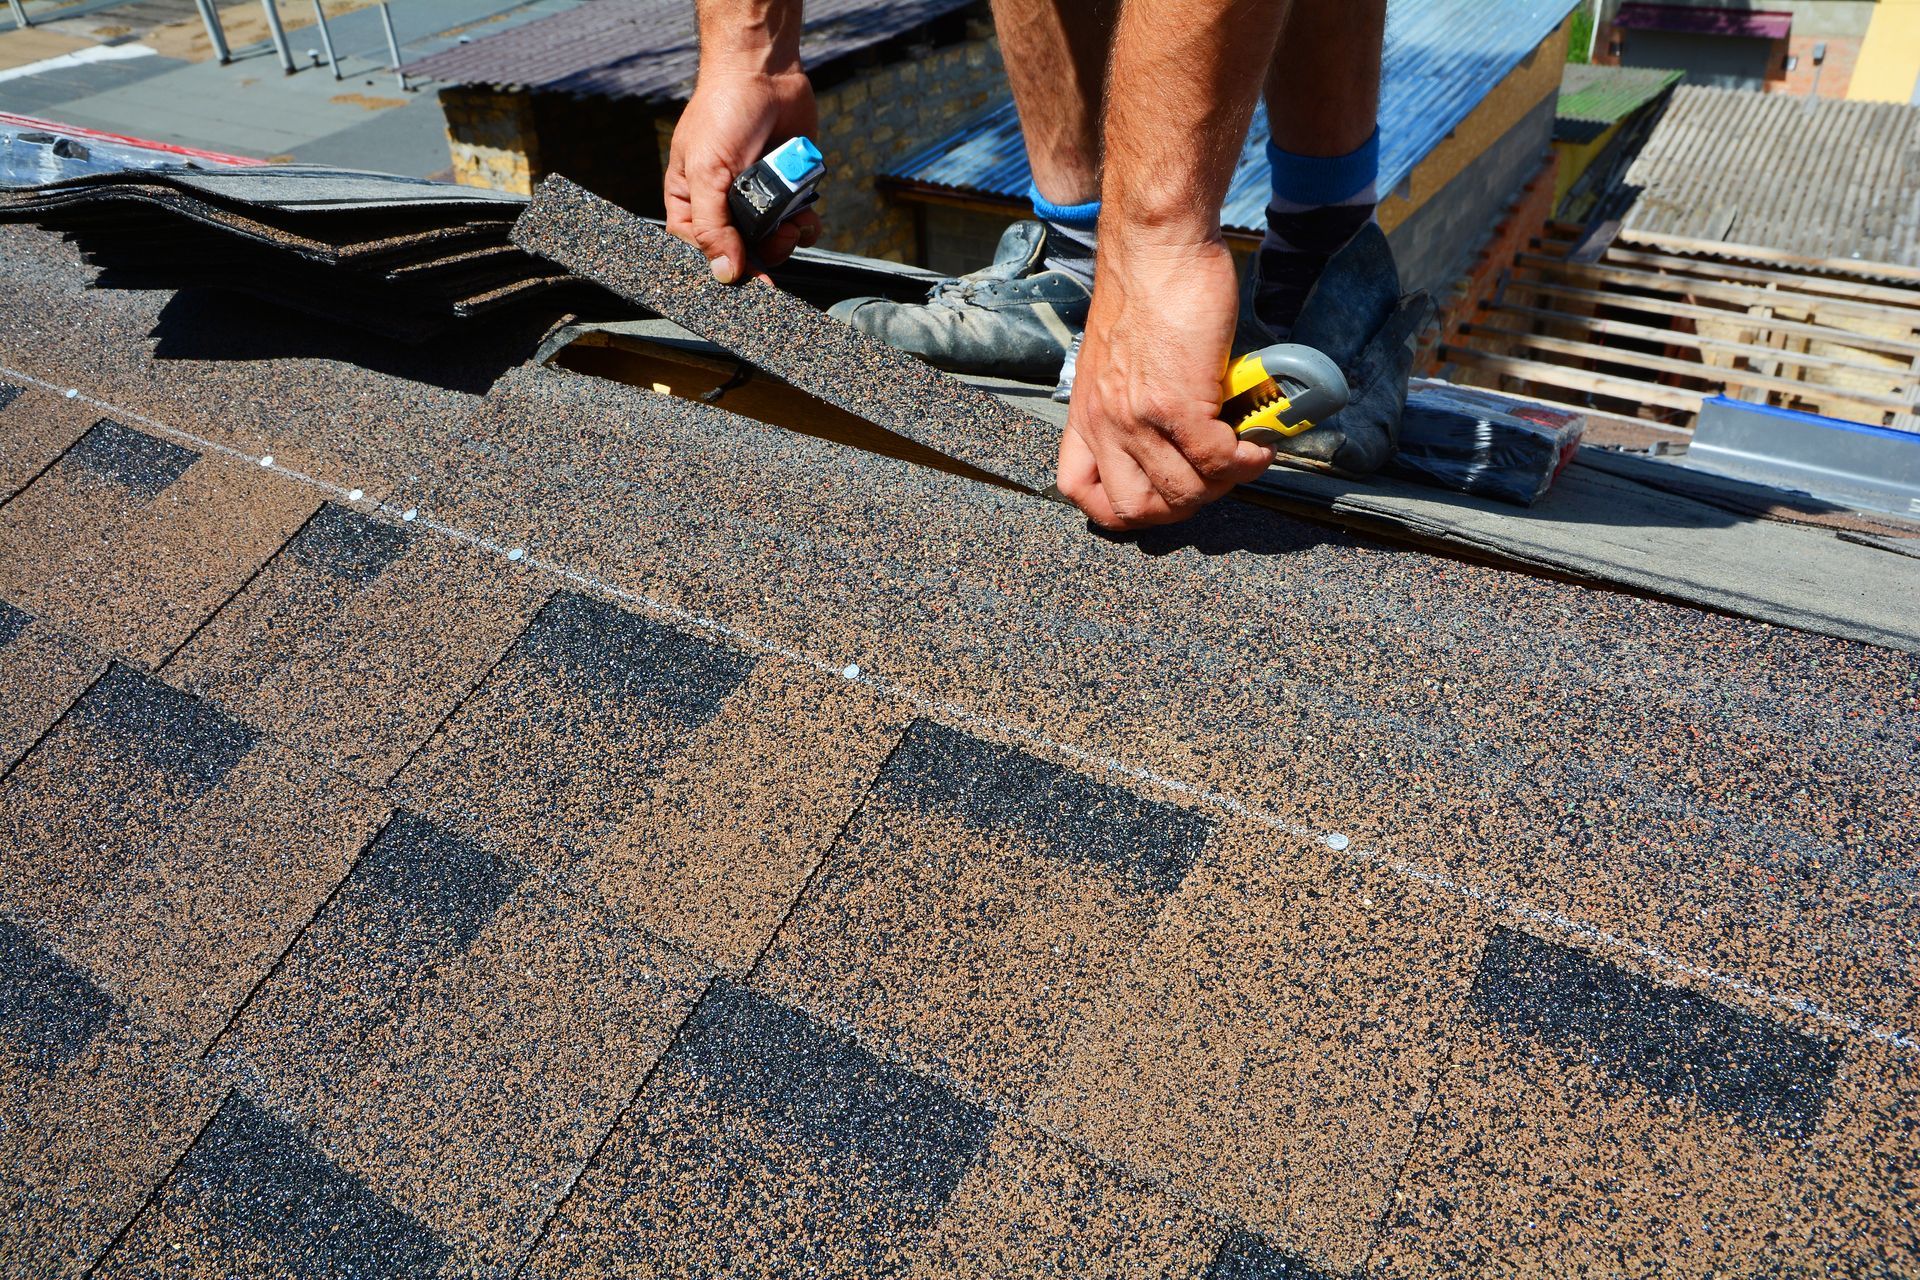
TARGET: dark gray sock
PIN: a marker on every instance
(1071, 250)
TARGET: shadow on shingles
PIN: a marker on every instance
(214, 325)
(1227, 528)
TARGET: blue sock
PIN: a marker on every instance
(1311, 182)
(1319, 203)
(1072, 236)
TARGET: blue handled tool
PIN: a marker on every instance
(777, 186)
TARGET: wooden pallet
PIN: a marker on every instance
(1651, 332)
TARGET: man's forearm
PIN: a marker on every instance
(760, 37)
(1181, 87)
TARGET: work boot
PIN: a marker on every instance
(1013, 318)
(1355, 314)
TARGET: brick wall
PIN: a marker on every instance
(1835, 74)
(869, 121)
(875, 119)
(1525, 218)
(492, 139)
(510, 139)
(961, 240)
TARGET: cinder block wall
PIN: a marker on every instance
(1523, 220)
(880, 116)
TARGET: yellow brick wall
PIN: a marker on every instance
(1888, 69)
(492, 139)
(873, 120)
(869, 121)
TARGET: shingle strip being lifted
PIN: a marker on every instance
(783, 335)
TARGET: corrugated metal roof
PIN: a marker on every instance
(1442, 58)
(650, 49)
(1820, 177)
(1593, 99)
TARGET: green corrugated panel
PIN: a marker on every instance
(1606, 95)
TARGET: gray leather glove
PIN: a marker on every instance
(1357, 315)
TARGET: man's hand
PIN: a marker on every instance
(751, 95)
(1144, 442)
(733, 120)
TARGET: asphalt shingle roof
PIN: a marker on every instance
(631, 838)
(649, 49)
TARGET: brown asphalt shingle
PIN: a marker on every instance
(1032, 1206)
(134, 540)
(359, 638)
(768, 1144)
(98, 1108)
(744, 809)
(1033, 957)
(971, 906)
(558, 745)
(43, 670)
(255, 1197)
(1271, 1044)
(170, 850)
(1544, 1151)
(458, 1034)
(35, 429)
(156, 858)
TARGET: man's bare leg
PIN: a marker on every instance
(1021, 316)
(1323, 107)
(1056, 56)
(1323, 86)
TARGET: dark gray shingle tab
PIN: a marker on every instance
(255, 1176)
(612, 652)
(348, 544)
(13, 620)
(49, 1009)
(143, 463)
(1069, 815)
(913, 1136)
(169, 729)
(1672, 1042)
(440, 890)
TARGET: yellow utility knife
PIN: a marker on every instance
(1280, 391)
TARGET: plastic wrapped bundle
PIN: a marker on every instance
(1481, 442)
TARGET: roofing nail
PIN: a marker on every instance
(410, 513)
(73, 393)
(266, 460)
(1336, 842)
(851, 671)
(355, 495)
(516, 553)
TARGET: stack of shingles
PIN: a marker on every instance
(401, 256)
